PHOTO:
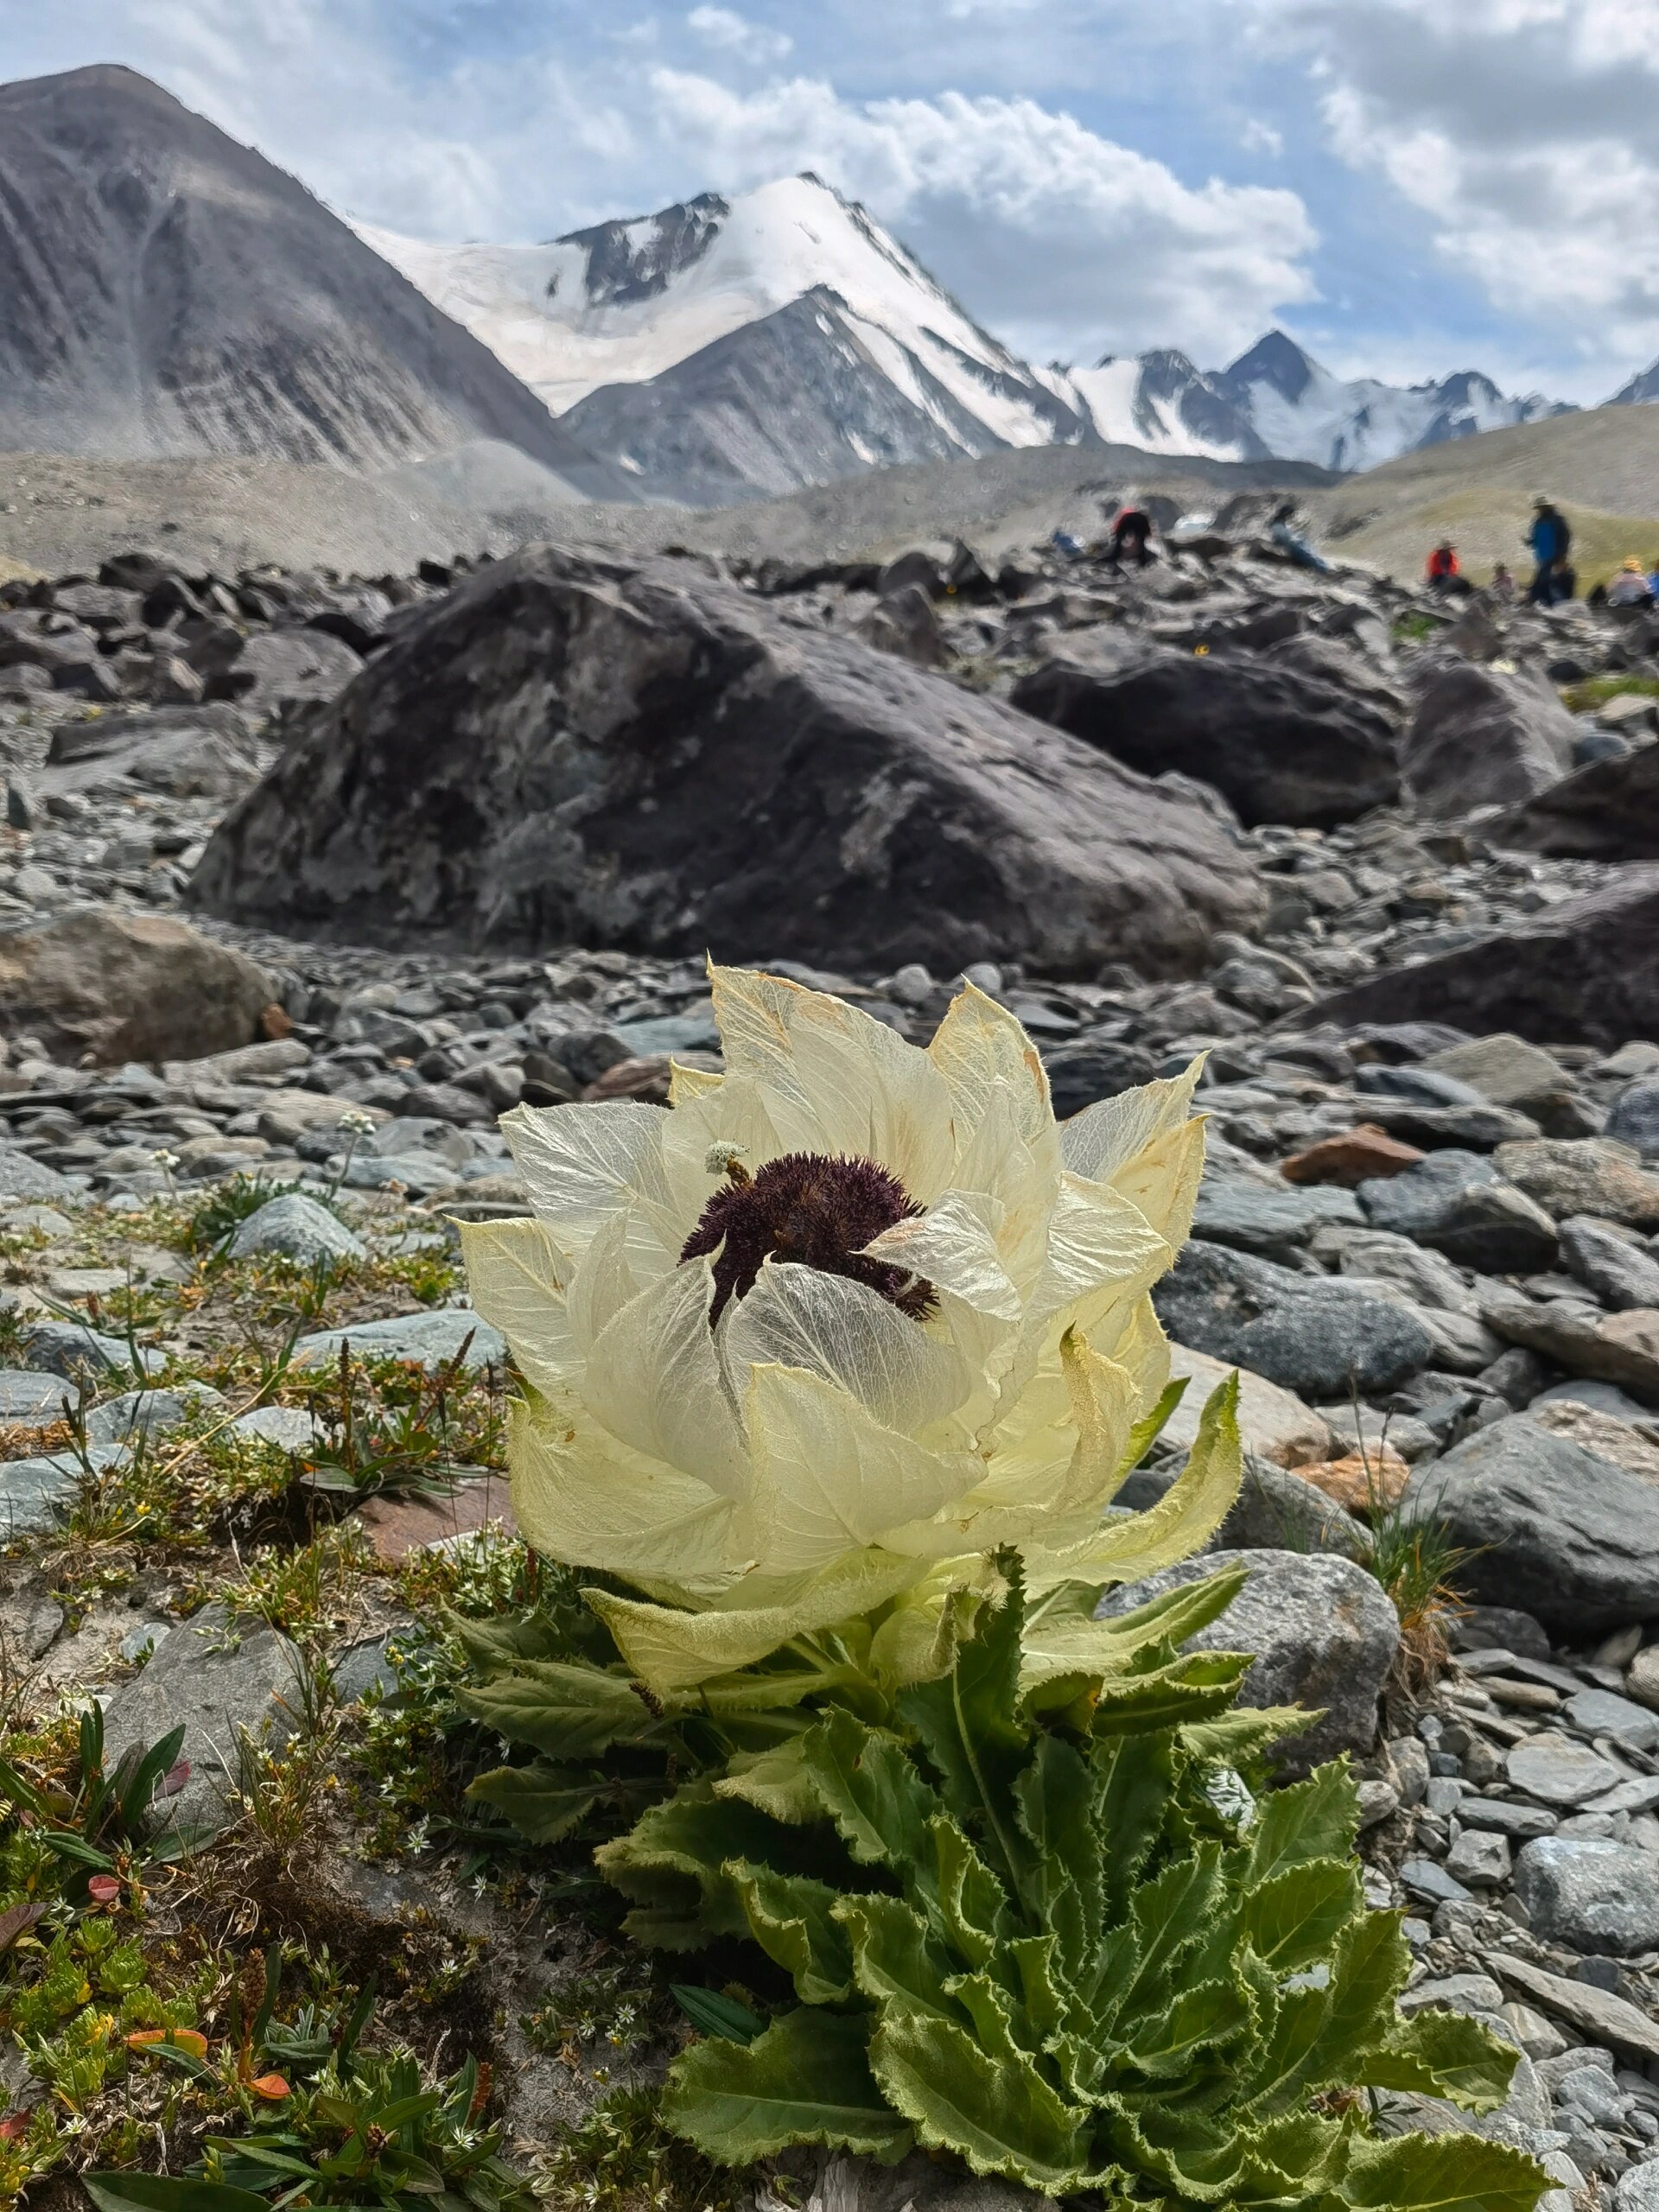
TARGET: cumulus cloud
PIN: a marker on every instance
(1071, 243)
(1526, 131)
(730, 32)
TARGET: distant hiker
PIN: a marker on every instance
(1502, 586)
(1291, 541)
(1629, 587)
(1551, 540)
(1445, 574)
(1130, 533)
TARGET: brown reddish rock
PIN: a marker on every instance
(1352, 1157)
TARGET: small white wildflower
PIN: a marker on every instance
(722, 1158)
(166, 1160)
(357, 1123)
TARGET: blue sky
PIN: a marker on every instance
(1410, 187)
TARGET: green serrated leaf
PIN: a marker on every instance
(1246, 1733)
(994, 2109)
(971, 1727)
(806, 2080)
(1291, 1919)
(1446, 2055)
(671, 1866)
(545, 1803)
(897, 1960)
(774, 1781)
(1136, 1775)
(972, 1907)
(1315, 1819)
(1440, 2173)
(1163, 2044)
(1057, 1801)
(868, 1785)
(567, 1712)
(791, 1918)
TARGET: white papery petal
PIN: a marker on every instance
(1163, 1179)
(848, 1335)
(834, 1080)
(602, 1285)
(1104, 1136)
(512, 1269)
(1095, 1237)
(978, 1047)
(1021, 1181)
(828, 1478)
(954, 1245)
(583, 1164)
(654, 1379)
(581, 1496)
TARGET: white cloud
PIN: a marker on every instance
(1065, 240)
(1259, 137)
(730, 32)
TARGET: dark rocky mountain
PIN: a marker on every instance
(1641, 391)
(164, 290)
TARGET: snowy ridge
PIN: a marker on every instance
(733, 348)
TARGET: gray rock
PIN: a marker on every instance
(1609, 810)
(430, 1339)
(1276, 1510)
(1583, 1175)
(1087, 1067)
(1559, 1770)
(1311, 1335)
(1480, 738)
(277, 665)
(290, 1427)
(1273, 1224)
(1592, 1897)
(117, 1421)
(296, 1227)
(807, 775)
(1507, 1816)
(1638, 2188)
(1454, 1992)
(1511, 1072)
(35, 1495)
(1480, 1859)
(1609, 1347)
(1549, 1527)
(82, 1354)
(1455, 1202)
(1427, 1881)
(1601, 1712)
(1601, 1397)
(366, 1668)
(1322, 1632)
(1610, 2020)
(31, 1400)
(217, 1679)
(1633, 1118)
(1621, 1273)
(1279, 746)
(120, 986)
(142, 1642)
(21, 1176)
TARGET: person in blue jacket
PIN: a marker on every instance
(1551, 540)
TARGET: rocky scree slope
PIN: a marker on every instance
(1425, 1238)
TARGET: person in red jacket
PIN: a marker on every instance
(1442, 565)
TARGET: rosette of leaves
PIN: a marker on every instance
(1044, 1924)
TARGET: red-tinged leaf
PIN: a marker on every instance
(272, 2087)
(17, 1920)
(103, 1889)
(173, 1780)
(190, 2040)
(13, 2128)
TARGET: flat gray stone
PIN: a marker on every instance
(216, 1678)
(1638, 2188)
(1595, 1896)
(1452, 1993)
(78, 1352)
(1479, 1859)
(35, 1495)
(30, 1399)
(1622, 1271)
(117, 1421)
(294, 1227)
(290, 1427)
(432, 1340)
(1273, 1224)
(1607, 2019)
(1507, 1816)
(22, 1176)
(1558, 1770)
(1601, 1712)
(1323, 1634)
(1426, 1880)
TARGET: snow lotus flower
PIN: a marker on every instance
(839, 1325)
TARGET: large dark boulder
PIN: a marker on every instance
(1585, 972)
(573, 749)
(1483, 738)
(1278, 744)
(1608, 812)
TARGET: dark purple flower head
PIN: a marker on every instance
(813, 1211)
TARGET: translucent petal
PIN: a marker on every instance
(1095, 1237)
(654, 1379)
(849, 1335)
(581, 1164)
(670, 1649)
(954, 1245)
(601, 1284)
(512, 1269)
(732, 1114)
(979, 1044)
(1162, 1181)
(686, 1084)
(828, 1478)
(1105, 1136)
(834, 1080)
(581, 1496)
(1021, 1183)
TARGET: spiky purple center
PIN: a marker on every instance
(815, 1211)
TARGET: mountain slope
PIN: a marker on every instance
(1302, 412)
(1641, 391)
(164, 290)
